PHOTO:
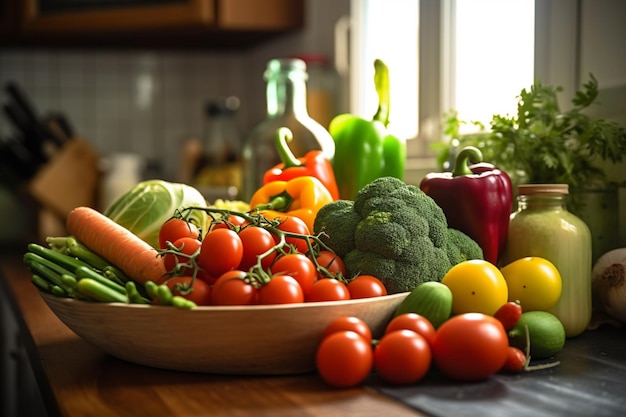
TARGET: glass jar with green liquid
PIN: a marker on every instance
(286, 107)
(543, 227)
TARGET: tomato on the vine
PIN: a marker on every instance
(298, 266)
(328, 289)
(470, 346)
(229, 222)
(256, 241)
(332, 262)
(231, 288)
(187, 246)
(293, 224)
(281, 289)
(174, 229)
(352, 323)
(402, 357)
(415, 322)
(195, 290)
(344, 359)
(366, 286)
(221, 251)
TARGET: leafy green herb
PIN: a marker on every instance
(542, 143)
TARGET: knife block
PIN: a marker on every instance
(70, 179)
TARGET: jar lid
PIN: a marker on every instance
(285, 66)
(526, 189)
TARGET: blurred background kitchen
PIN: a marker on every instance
(140, 80)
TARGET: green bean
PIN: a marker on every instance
(87, 272)
(67, 262)
(41, 283)
(82, 252)
(115, 274)
(181, 302)
(96, 291)
(133, 294)
(47, 270)
(151, 289)
(164, 295)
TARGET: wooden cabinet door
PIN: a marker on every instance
(104, 16)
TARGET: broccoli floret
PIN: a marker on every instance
(395, 232)
(337, 221)
(461, 247)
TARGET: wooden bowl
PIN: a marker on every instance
(251, 340)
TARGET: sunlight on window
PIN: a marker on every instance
(492, 56)
(389, 32)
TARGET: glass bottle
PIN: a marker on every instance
(286, 96)
(219, 165)
(542, 226)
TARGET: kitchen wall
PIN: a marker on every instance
(150, 102)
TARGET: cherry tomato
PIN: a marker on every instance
(415, 322)
(352, 323)
(470, 346)
(230, 222)
(515, 360)
(293, 224)
(221, 251)
(231, 288)
(256, 241)
(328, 289)
(199, 292)
(402, 357)
(332, 262)
(186, 246)
(366, 286)
(299, 267)
(282, 289)
(344, 359)
(509, 314)
(174, 229)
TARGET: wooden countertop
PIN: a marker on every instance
(77, 379)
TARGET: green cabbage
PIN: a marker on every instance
(145, 207)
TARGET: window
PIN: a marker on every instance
(473, 56)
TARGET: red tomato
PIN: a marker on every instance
(415, 322)
(515, 360)
(199, 292)
(509, 314)
(231, 222)
(221, 251)
(332, 262)
(256, 241)
(299, 267)
(282, 289)
(174, 228)
(293, 224)
(328, 289)
(470, 346)
(344, 359)
(231, 288)
(187, 246)
(366, 286)
(354, 324)
(402, 357)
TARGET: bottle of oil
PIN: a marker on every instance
(286, 95)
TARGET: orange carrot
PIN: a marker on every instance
(116, 244)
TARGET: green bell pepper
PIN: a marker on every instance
(365, 149)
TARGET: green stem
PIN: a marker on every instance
(467, 154)
(279, 202)
(381, 81)
(284, 135)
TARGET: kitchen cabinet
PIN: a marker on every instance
(179, 23)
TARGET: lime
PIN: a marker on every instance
(545, 331)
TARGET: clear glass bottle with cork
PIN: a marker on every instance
(286, 94)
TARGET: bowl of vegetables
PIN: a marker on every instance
(276, 339)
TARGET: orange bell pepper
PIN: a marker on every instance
(301, 197)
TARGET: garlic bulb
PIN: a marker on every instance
(609, 282)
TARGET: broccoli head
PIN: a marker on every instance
(394, 231)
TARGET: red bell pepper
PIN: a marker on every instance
(313, 164)
(476, 199)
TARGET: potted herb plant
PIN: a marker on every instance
(542, 143)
